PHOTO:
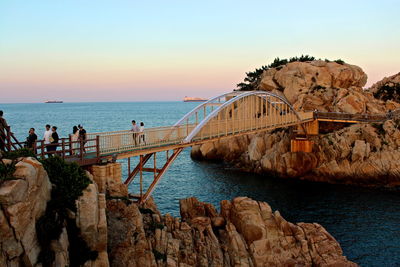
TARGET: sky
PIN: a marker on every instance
(85, 51)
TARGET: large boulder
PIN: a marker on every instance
(325, 86)
(22, 201)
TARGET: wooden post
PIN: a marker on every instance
(129, 166)
(141, 175)
(155, 165)
(63, 147)
(42, 148)
(98, 147)
(81, 149)
(70, 145)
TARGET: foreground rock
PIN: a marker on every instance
(22, 202)
(244, 233)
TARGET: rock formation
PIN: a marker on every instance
(363, 154)
(23, 201)
(245, 233)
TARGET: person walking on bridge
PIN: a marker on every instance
(141, 133)
(135, 130)
(3, 128)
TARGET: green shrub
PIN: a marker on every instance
(339, 61)
(146, 211)
(68, 180)
(253, 78)
(7, 171)
(23, 152)
(388, 92)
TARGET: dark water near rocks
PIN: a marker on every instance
(366, 222)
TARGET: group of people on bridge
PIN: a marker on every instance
(50, 139)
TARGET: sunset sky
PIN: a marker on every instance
(164, 50)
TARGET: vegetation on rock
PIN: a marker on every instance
(7, 169)
(388, 92)
(69, 180)
(253, 78)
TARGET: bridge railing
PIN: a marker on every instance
(350, 117)
(123, 141)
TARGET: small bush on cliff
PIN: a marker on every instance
(253, 78)
(23, 152)
(339, 61)
(6, 171)
(68, 180)
(388, 92)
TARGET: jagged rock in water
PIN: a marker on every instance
(245, 233)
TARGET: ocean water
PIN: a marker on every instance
(365, 221)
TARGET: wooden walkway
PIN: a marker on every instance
(228, 115)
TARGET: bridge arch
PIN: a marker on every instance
(223, 116)
(259, 102)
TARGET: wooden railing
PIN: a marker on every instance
(104, 144)
(8, 140)
(355, 117)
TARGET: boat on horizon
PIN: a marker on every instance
(53, 101)
(193, 99)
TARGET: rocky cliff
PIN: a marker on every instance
(23, 201)
(364, 154)
(244, 233)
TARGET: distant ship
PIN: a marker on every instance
(193, 99)
(53, 101)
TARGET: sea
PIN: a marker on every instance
(365, 221)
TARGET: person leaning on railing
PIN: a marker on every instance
(53, 141)
(31, 140)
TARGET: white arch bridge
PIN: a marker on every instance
(224, 116)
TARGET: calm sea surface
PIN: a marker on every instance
(366, 222)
